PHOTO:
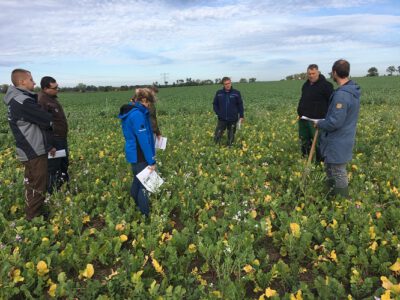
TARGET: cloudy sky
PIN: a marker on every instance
(110, 42)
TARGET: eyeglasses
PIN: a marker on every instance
(56, 88)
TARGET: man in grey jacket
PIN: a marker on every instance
(339, 128)
(29, 124)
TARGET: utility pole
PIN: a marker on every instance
(164, 77)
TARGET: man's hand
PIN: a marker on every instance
(241, 120)
(152, 167)
(159, 137)
(52, 152)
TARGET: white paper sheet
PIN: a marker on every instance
(150, 179)
(309, 119)
(59, 153)
(161, 143)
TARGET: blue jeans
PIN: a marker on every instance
(138, 191)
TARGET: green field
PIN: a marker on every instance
(229, 223)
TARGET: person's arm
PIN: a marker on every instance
(142, 135)
(32, 112)
(215, 104)
(336, 114)
(240, 107)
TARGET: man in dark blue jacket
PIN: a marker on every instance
(228, 106)
(339, 128)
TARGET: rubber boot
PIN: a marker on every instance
(343, 192)
(330, 185)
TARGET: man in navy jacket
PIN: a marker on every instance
(228, 106)
(339, 128)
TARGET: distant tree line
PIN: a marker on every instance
(373, 71)
(82, 88)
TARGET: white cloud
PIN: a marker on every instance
(188, 34)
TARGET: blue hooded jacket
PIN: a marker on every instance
(137, 129)
(339, 127)
(228, 105)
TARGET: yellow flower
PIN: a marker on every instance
(52, 290)
(13, 209)
(333, 256)
(16, 276)
(256, 262)
(372, 233)
(157, 266)
(119, 227)
(88, 272)
(373, 246)
(386, 295)
(45, 240)
(253, 214)
(217, 294)
(334, 224)
(378, 214)
(298, 296)
(123, 238)
(270, 293)
(56, 229)
(295, 228)
(267, 198)
(41, 268)
(323, 223)
(86, 219)
(192, 248)
(101, 154)
(248, 268)
(396, 266)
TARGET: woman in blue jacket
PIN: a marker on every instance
(139, 143)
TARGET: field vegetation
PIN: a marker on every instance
(229, 223)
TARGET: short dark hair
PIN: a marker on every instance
(342, 68)
(312, 67)
(45, 82)
(17, 75)
(225, 79)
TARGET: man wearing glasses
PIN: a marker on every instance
(228, 106)
(57, 167)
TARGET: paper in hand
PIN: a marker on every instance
(309, 119)
(59, 153)
(161, 143)
(150, 180)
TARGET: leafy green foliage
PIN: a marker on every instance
(228, 223)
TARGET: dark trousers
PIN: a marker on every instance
(35, 183)
(219, 131)
(306, 135)
(138, 191)
(58, 167)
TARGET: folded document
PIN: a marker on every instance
(150, 179)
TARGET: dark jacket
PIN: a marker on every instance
(339, 127)
(314, 99)
(137, 132)
(228, 105)
(29, 123)
(51, 105)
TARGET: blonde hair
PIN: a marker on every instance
(144, 93)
